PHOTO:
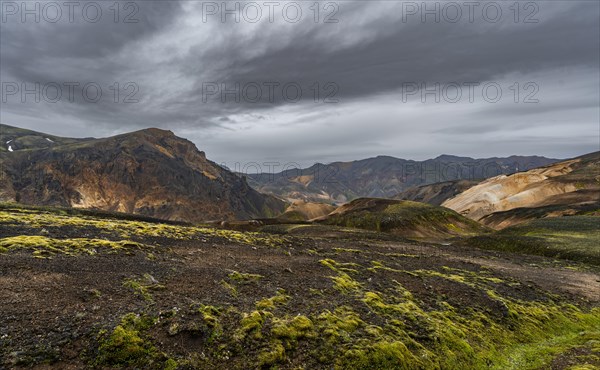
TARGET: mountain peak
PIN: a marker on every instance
(150, 172)
(153, 132)
(158, 131)
(450, 157)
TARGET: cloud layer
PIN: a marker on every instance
(343, 80)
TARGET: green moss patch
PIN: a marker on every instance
(127, 228)
(44, 247)
(280, 299)
(127, 345)
(243, 277)
(573, 237)
(144, 286)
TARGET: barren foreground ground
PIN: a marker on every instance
(79, 291)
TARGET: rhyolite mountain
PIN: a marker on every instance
(150, 172)
(566, 188)
(383, 176)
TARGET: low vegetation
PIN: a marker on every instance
(122, 226)
(405, 218)
(127, 345)
(45, 247)
(574, 237)
(144, 286)
(221, 299)
(387, 329)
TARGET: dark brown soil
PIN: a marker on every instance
(53, 309)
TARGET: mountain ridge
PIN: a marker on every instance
(383, 176)
(151, 172)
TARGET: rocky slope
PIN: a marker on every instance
(565, 188)
(383, 176)
(150, 172)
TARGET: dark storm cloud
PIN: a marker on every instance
(419, 52)
(171, 53)
(78, 52)
(62, 51)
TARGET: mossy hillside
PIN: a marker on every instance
(385, 328)
(572, 237)
(476, 340)
(129, 229)
(347, 305)
(83, 212)
(406, 218)
(349, 340)
(530, 335)
(45, 247)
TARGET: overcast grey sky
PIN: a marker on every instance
(392, 77)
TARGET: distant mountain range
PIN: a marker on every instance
(150, 172)
(384, 176)
(154, 173)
